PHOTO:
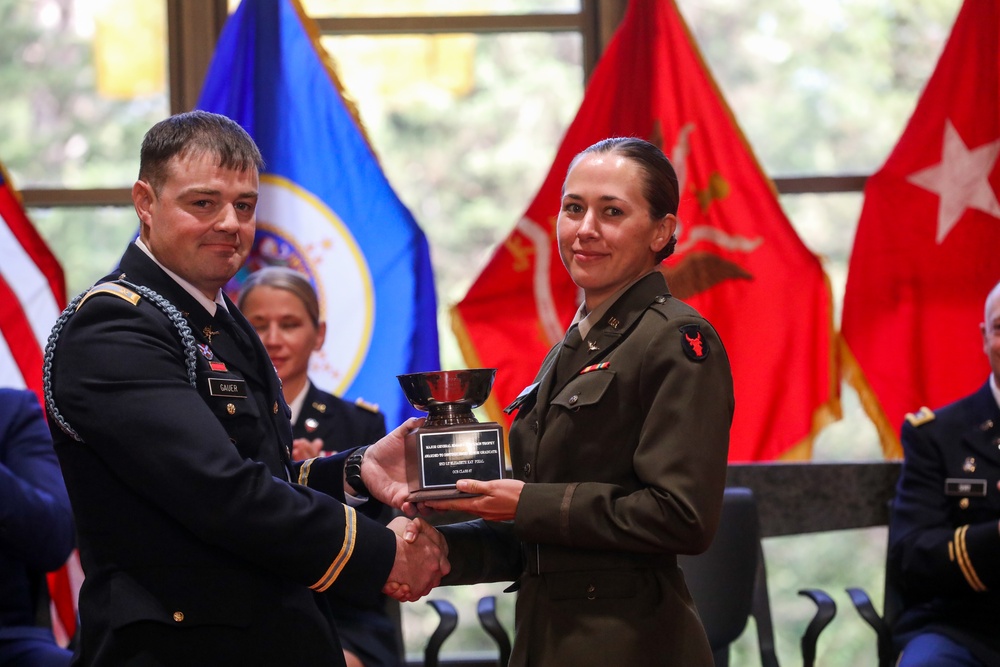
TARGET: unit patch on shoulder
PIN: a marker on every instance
(921, 417)
(370, 407)
(119, 291)
(693, 342)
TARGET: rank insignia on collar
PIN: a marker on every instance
(206, 351)
(693, 342)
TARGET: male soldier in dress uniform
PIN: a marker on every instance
(944, 536)
(200, 539)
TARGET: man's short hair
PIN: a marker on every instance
(192, 133)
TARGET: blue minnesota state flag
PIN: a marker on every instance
(326, 209)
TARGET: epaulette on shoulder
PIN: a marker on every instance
(670, 307)
(119, 291)
(921, 417)
(662, 303)
(365, 405)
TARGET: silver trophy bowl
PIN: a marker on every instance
(448, 396)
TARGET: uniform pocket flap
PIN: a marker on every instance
(586, 389)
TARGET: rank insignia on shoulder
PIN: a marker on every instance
(119, 291)
(370, 407)
(920, 417)
(693, 342)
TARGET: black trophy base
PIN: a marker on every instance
(424, 495)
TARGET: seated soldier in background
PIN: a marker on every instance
(36, 530)
(944, 534)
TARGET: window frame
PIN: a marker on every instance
(193, 27)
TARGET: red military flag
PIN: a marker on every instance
(927, 249)
(738, 260)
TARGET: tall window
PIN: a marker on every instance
(465, 102)
(82, 83)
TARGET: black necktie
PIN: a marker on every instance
(229, 327)
(566, 363)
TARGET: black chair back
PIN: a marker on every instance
(722, 579)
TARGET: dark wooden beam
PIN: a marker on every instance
(458, 23)
(42, 198)
(193, 29)
(797, 185)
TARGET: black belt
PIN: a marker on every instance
(545, 558)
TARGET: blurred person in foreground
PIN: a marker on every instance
(200, 539)
(282, 306)
(36, 531)
(619, 447)
(944, 534)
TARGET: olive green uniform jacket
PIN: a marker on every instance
(625, 464)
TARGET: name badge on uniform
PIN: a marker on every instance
(965, 487)
(227, 388)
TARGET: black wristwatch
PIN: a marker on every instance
(352, 472)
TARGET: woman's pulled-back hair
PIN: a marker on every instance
(659, 187)
(283, 278)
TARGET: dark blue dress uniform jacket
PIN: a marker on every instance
(944, 539)
(625, 459)
(36, 522)
(341, 424)
(199, 540)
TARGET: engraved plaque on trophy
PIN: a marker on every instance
(451, 445)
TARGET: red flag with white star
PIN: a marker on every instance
(738, 259)
(927, 249)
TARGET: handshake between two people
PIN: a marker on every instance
(421, 551)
